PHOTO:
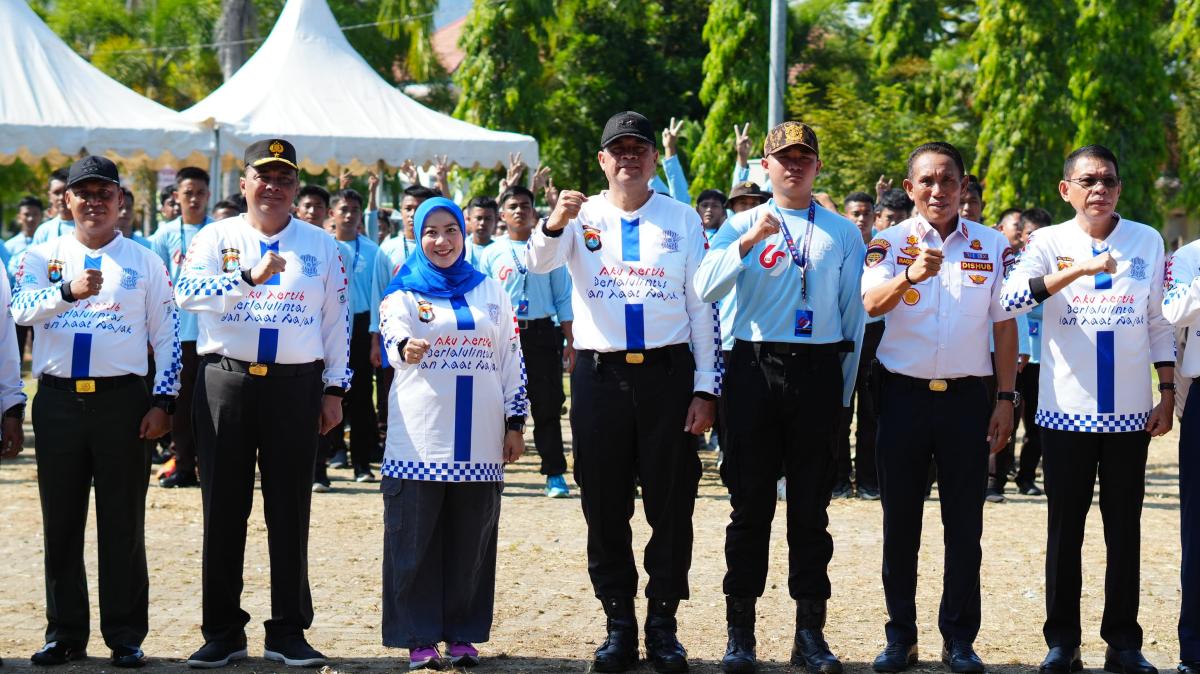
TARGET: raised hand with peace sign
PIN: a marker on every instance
(671, 137)
(741, 143)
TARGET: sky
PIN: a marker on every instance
(449, 11)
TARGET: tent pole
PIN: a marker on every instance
(215, 174)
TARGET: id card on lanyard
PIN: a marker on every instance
(804, 315)
(523, 302)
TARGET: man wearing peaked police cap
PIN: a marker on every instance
(796, 270)
(640, 325)
(938, 278)
(270, 293)
(95, 299)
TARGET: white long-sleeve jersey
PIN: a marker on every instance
(1101, 333)
(300, 315)
(1181, 302)
(10, 357)
(631, 276)
(104, 335)
(446, 418)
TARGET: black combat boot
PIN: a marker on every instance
(619, 651)
(810, 649)
(739, 654)
(663, 650)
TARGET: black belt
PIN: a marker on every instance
(642, 357)
(937, 385)
(88, 384)
(264, 369)
(797, 349)
(531, 323)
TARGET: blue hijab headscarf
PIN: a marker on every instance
(419, 275)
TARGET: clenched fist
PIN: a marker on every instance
(271, 264)
(87, 285)
(567, 208)
(414, 350)
(928, 263)
(1099, 264)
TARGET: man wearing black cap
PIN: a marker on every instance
(646, 376)
(270, 292)
(95, 299)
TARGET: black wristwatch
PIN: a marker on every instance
(1166, 386)
(248, 278)
(16, 412)
(335, 391)
(1013, 397)
(165, 403)
(515, 424)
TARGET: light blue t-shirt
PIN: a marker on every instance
(368, 273)
(52, 229)
(533, 295)
(13, 253)
(772, 305)
(171, 242)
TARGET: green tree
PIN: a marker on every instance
(1185, 45)
(1119, 95)
(1021, 49)
(501, 75)
(409, 23)
(734, 87)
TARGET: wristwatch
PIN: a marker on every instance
(16, 412)
(165, 403)
(1013, 397)
(1166, 386)
(515, 424)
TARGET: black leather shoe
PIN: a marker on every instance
(179, 479)
(663, 649)
(1061, 661)
(1189, 667)
(960, 657)
(809, 648)
(128, 656)
(1127, 662)
(740, 657)
(896, 658)
(57, 653)
(619, 651)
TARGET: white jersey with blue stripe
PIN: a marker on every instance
(300, 315)
(1181, 303)
(1101, 333)
(777, 301)
(632, 280)
(447, 412)
(104, 335)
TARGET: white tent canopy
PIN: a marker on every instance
(308, 85)
(54, 104)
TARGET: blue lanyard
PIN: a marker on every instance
(801, 262)
(512, 249)
(357, 246)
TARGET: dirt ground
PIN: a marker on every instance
(546, 617)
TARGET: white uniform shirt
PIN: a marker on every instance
(631, 276)
(10, 358)
(447, 413)
(104, 335)
(1181, 302)
(1101, 333)
(941, 326)
(298, 316)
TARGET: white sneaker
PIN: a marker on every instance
(320, 488)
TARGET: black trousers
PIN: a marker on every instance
(542, 344)
(1070, 462)
(439, 561)
(779, 406)
(627, 423)
(241, 419)
(864, 434)
(181, 421)
(1189, 529)
(1031, 447)
(358, 407)
(918, 426)
(85, 440)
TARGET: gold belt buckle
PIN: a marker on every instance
(938, 385)
(635, 358)
(258, 369)
(85, 386)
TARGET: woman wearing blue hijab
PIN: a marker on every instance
(456, 416)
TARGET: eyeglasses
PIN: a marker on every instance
(1088, 182)
(90, 196)
(637, 150)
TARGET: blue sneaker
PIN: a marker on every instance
(556, 487)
